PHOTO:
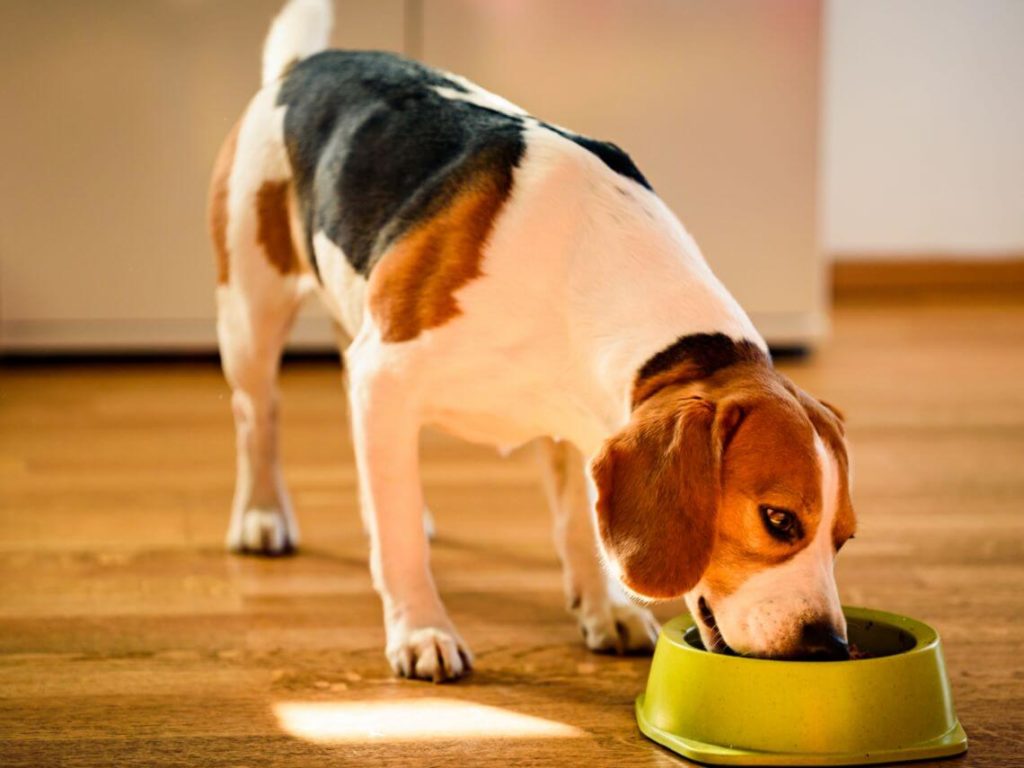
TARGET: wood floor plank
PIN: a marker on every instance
(127, 637)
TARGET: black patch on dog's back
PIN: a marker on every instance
(609, 154)
(707, 352)
(375, 149)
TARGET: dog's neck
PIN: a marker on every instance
(640, 285)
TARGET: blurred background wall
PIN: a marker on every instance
(113, 111)
(923, 141)
(781, 131)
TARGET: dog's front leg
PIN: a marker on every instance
(421, 640)
(608, 621)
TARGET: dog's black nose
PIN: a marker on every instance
(820, 642)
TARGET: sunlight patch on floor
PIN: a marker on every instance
(411, 720)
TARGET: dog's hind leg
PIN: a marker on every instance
(259, 290)
(607, 620)
(252, 334)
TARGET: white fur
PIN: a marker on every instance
(261, 145)
(766, 614)
(254, 312)
(344, 289)
(302, 28)
(476, 95)
(587, 276)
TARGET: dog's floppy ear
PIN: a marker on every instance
(825, 416)
(658, 484)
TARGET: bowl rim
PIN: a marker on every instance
(925, 639)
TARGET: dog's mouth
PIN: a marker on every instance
(717, 644)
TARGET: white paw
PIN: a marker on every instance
(263, 531)
(619, 628)
(429, 653)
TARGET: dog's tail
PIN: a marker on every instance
(302, 28)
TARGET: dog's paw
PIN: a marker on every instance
(263, 531)
(429, 653)
(619, 628)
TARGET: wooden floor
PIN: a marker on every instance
(127, 637)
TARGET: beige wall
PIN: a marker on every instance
(717, 102)
(114, 110)
(111, 118)
(924, 128)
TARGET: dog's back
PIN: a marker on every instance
(378, 144)
(372, 145)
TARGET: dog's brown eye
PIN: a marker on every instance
(782, 524)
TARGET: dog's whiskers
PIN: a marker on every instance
(717, 644)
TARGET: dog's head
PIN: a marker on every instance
(735, 494)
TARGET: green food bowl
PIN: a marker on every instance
(731, 710)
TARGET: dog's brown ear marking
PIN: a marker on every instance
(274, 228)
(829, 423)
(828, 420)
(218, 203)
(412, 287)
(835, 412)
(657, 484)
(730, 415)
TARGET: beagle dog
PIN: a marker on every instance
(510, 280)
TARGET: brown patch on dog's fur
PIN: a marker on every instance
(217, 210)
(846, 520)
(412, 287)
(828, 422)
(680, 373)
(288, 68)
(274, 226)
